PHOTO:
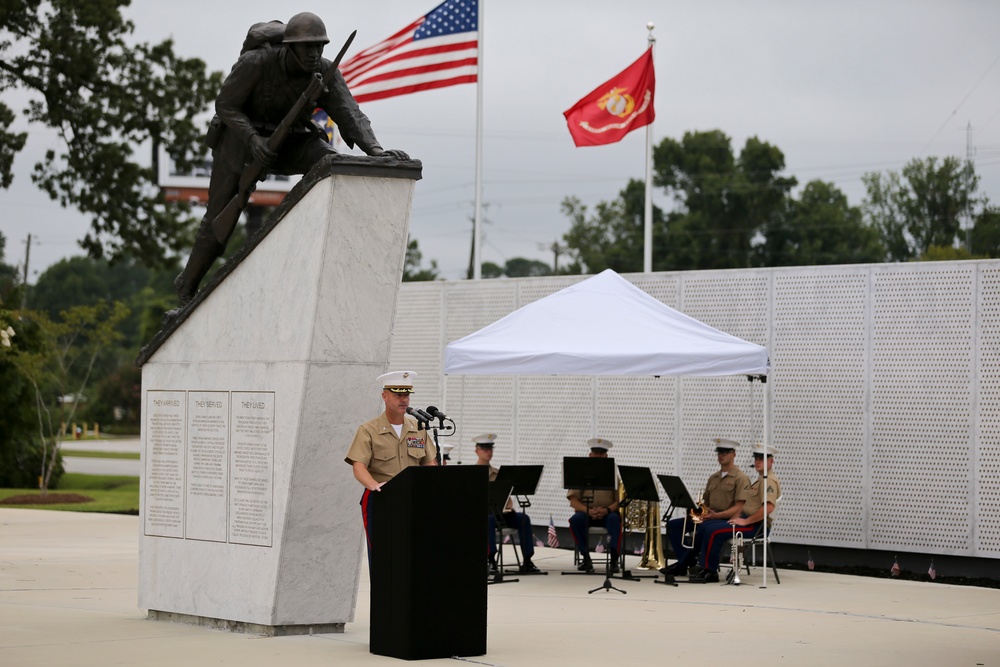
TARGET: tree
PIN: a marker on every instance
(819, 227)
(103, 97)
(60, 365)
(611, 238)
(985, 239)
(491, 270)
(725, 201)
(411, 268)
(521, 267)
(923, 206)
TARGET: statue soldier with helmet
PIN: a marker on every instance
(278, 64)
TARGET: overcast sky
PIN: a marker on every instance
(842, 88)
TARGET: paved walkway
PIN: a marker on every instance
(68, 591)
(99, 466)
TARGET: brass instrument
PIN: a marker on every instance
(696, 514)
(646, 514)
(735, 557)
(653, 557)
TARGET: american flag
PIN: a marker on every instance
(553, 538)
(811, 564)
(437, 50)
(932, 571)
(894, 570)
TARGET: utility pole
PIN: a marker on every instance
(556, 251)
(27, 257)
(968, 210)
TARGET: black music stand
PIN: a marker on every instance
(680, 499)
(524, 479)
(499, 492)
(639, 485)
(589, 474)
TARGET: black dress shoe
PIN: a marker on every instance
(675, 570)
(614, 569)
(586, 565)
(527, 567)
(706, 577)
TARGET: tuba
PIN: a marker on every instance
(646, 514)
(653, 557)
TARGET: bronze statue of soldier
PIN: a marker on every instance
(253, 107)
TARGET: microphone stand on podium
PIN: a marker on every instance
(588, 475)
(425, 419)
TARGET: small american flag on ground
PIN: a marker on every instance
(437, 50)
(894, 570)
(553, 538)
(932, 571)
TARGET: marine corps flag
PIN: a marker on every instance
(616, 107)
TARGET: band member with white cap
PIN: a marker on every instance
(725, 494)
(756, 509)
(602, 512)
(392, 441)
(484, 455)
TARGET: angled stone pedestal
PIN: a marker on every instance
(250, 517)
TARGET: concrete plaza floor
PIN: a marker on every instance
(68, 594)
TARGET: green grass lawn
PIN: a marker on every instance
(88, 454)
(110, 493)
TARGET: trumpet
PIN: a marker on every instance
(735, 557)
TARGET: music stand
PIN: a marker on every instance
(589, 474)
(677, 492)
(498, 494)
(524, 479)
(681, 499)
(639, 485)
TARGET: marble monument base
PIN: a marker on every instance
(251, 396)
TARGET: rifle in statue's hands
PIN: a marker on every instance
(225, 222)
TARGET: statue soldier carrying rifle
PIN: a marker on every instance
(263, 125)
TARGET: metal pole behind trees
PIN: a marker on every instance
(27, 257)
(647, 227)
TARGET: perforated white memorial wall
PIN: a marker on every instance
(885, 396)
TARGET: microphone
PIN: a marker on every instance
(420, 415)
(434, 412)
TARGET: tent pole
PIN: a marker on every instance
(767, 411)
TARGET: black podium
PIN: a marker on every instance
(428, 593)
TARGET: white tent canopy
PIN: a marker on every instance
(604, 325)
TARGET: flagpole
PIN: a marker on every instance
(477, 251)
(647, 226)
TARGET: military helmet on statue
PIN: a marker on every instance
(305, 27)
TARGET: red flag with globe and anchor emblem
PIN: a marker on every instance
(616, 107)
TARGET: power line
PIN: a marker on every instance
(967, 95)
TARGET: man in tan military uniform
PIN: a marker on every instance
(392, 441)
(603, 512)
(725, 494)
(753, 513)
(519, 520)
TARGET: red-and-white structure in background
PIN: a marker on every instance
(193, 186)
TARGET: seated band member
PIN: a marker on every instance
(725, 494)
(520, 521)
(602, 511)
(756, 508)
(385, 445)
